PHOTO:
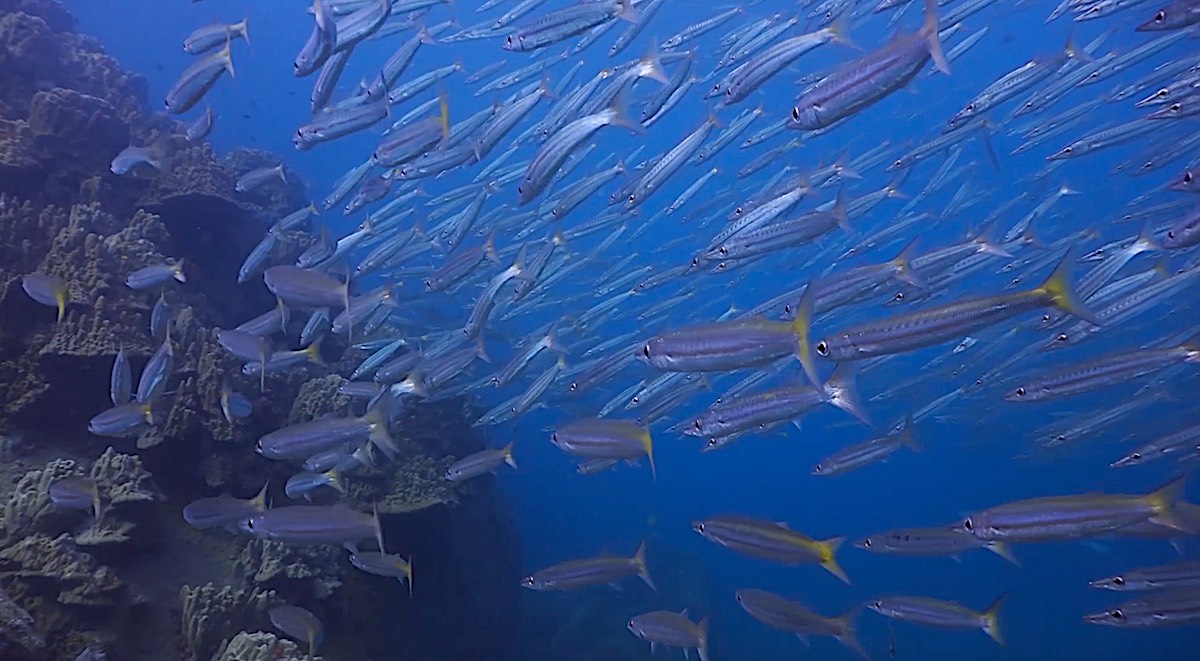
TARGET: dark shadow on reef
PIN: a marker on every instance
(140, 583)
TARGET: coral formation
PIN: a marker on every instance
(29, 509)
(55, 566)
(262, 646)
(411, 484)
(19, 639)
(318, 397)
(308, 571)
(212, 615)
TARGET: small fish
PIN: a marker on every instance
(301, 485)
(234, 405)
(122, 421)
(942, 614)
(141, 162)
(212, 36)
(389, 565)
(48, 290)
(201, 128)
(306, 438)
(772, 541)
(156, 275)
(794, 617)
(300, 624)
(484, 461)
(197, 80)
(600, 570)
(1176, 575)
(256, 178)
(153, 380)
(600, 438)
(120, 382)
(313, 524)
(76, 493)
(223, 510)
(1157, 609)
(672, 630)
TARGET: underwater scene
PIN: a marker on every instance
(582, 330)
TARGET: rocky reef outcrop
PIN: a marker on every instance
(129, 576)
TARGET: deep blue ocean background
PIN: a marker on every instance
(972, 456)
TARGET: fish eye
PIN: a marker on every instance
(1060, 438)
(795, 114)
(818, 468)
(969, 525)
(1116, 614)
(971, 106)
(877, 604)
(1136, 456)
(712, 442)
(723, 250)
(1062, 337)
(699, 527)
(1068, 150)
(867, 542)
(1175, 107)
(822, 348)
(1170, 234)
(696, 424)
(554, 437)
(1118, 581)
(646, 351)
(574, 387)
(1020, 392)
(738, 597)
(1187, 177)
(528, 580)
(737, 211)
(899, 162)
(899, 296)
(1160, 17)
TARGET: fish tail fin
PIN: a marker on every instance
(991, 619)
(260, 502)
(335, 480)
(839, 212)
(1061, 289)
(378, 526)
(903, 265)
(643, 570)
(627, 12)
(408, 574)
(508, 455)
(930, 30)
(60, 297)
(226, 55)
(848, 632)
(1145, 241)
(313, 352)
(839, 31)
(842, 387)
(829, 549)
(481, 350)
(489, 248)
(178, 273)
(1163, 500)
(620, 110)
(380, 418)
(245, 30)
(1073, 51)
(652, 62)
(802, 327)
(1004, 551)
(702, 647)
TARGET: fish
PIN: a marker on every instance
(156, 275)
(120, 382)
(872, 77)
(943, 614)
(587, 572)
(196, 81)
(772, 541)
(123, 420)
(305, 438)
(792, 616)
(313, 524)
(1183, 574)
(48, 290)
(76, 493)
(1166, 608)
(205, 39)
(480, 463)
(142, 162)
(388, 565)
(300, 624)
(600, 438)
(671, 629)
(220, 511)
(256, 178)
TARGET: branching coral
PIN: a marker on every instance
(29, 509)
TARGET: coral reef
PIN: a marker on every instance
(212, 615)
(19, 639)
(55, 566)
(29, 509)
(262, 646)
(411, 484)
(318, 397)
(301, 571)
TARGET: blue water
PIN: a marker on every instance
(973, 456)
